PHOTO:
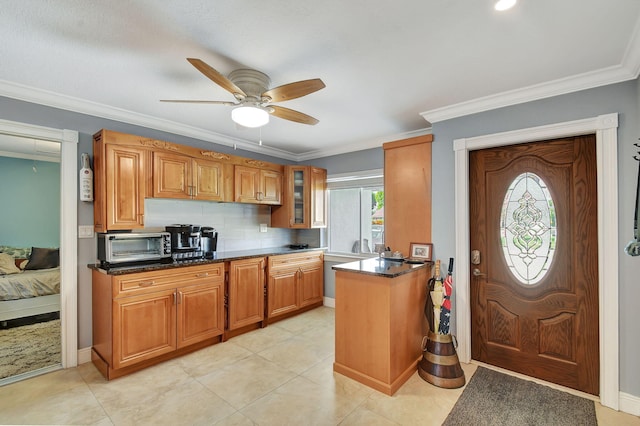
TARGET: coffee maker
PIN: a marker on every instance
(185, 242)
(208, 241)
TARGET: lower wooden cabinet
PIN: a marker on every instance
(146, 317)
(296, 283)
(142, 318)
(246, 292)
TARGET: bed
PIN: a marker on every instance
(29, 282)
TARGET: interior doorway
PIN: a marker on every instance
(68, 141)
(605, 129)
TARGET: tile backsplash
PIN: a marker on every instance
(238, 225)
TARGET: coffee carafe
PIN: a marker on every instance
(209, 241)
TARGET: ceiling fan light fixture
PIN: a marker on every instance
(250, 116)
(501, 5)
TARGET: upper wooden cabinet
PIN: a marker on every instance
(121, 185)
(304, 199)
(257, 185)
(407, 205)
(180, 176)
(130, 168)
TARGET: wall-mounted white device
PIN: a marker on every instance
(86, 179)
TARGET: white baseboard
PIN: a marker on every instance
(630, 404)
(84, 355)
(329, 302)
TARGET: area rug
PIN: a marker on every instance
(493, 398)
(29, 347)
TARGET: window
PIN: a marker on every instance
(528, 228)
(356, 212)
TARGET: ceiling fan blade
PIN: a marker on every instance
(291, 115)
(294, 90)
(189, 101)
(216, 77)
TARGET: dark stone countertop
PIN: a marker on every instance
(380, 267)
(218, 257)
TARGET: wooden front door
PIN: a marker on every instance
(534, 282)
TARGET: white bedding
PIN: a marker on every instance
(30, 283)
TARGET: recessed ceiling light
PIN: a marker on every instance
(504, 4)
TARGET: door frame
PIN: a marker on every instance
(68, 140)
(605, 128)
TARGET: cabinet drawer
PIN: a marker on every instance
(145, 282)
(286, 261)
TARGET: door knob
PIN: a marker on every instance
(477, 273)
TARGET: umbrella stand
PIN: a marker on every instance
(440, 365)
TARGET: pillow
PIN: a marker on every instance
(43, 258)
(16, 252)
(8, 264)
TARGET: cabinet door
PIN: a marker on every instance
(246, 184)
(298, 196)
(282, 294)
(171, 175)
(125, 188)
(246, 292)
(270, 187)
(200, 312)
(318, 195)
(144, 327)
(207, 180)
(311, 285)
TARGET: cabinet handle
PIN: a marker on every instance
(146, 283)
(202, 275)
(179, 297)
(175, 300)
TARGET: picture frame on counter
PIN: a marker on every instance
(421, 251)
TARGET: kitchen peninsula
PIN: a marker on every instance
(380, 321)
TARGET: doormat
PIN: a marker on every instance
(493, 398)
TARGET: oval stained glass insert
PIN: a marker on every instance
(528, 228)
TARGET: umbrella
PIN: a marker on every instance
(445, 312)
(437, 296)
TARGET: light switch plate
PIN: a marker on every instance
(85, 231)
(263, 227)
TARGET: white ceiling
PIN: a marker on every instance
(390, 67)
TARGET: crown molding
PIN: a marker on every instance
(362, 145)
(69, 103)
(611, 75)
(628, 70)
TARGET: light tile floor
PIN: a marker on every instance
(278, 375)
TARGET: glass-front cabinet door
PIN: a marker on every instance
(300, 205)
(304, 204)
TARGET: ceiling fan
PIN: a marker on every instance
(253, 96)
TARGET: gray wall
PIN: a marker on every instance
(368, 159)
(621, 98)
